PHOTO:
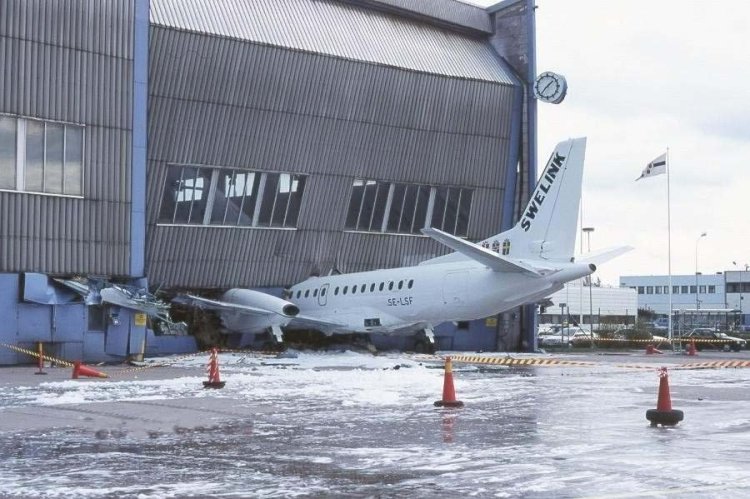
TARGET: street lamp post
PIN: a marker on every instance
(740, 270)
(588, 231)
(697, 302)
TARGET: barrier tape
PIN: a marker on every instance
(682, 339)
(36, 355)
(465, 359)
(549, 362)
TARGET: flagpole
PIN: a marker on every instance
(669, 254)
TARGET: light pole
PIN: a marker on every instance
(588, 231)
(697, 302)
(740, 270)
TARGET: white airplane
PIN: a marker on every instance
(522, 265)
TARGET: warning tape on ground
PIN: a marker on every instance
(36, 355)
(549, 362)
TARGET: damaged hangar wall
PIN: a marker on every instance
(331, 90)
(72, 170)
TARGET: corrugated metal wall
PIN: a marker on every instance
(70, 60)
(227, 102)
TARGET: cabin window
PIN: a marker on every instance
(336, 291)
(382, 285)
(315, 292)
(411, 283)
(307, 293)
(378, 206)
(400, 284)
(230, 197)
(323, 292)
(354, 289)
(362, 289)
(345, 289)
(390, 285)
(41, 156)
(299, 293)
(372, 287)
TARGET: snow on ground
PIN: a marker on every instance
(354, 424)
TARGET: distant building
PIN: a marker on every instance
(607, 305)
(688, 291)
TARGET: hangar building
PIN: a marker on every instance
(201, 145)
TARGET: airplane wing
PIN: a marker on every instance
(601, 256)
(305, 321)
(477, 253)
(197, 301)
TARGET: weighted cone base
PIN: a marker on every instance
(664, 418)
(214, 384)
(444, 403)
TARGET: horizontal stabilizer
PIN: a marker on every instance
(477, 253)
(601, 256)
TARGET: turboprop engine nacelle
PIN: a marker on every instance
(256, 299)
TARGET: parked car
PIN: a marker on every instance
(706, 337)
(631, 336)
(565, 336)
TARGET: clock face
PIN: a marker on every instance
(550, 87)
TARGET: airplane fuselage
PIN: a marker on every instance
(422, 296)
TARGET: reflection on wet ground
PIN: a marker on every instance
(368, 429)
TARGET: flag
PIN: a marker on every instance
(656, 167)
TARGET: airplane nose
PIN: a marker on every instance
(290, 310)
(592, 267)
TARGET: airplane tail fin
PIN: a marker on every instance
(547, 227)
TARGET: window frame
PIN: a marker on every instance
(217, 191)
(407, 209)
(69, 159)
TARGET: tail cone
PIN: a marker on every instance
(664, 414)
(449, 392)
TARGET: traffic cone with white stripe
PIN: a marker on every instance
(664, 414)
(449, 392)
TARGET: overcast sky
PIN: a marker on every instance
(644, 76)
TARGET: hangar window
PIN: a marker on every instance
(41, 156)
(378, 206)
(684, 290)
(230, 197)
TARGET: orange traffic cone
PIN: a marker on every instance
(691, 348)
(214, 380)
(651, 349)
(82, 370)
(449, 393)
(664, 414)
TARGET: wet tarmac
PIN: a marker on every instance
(357, 425)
